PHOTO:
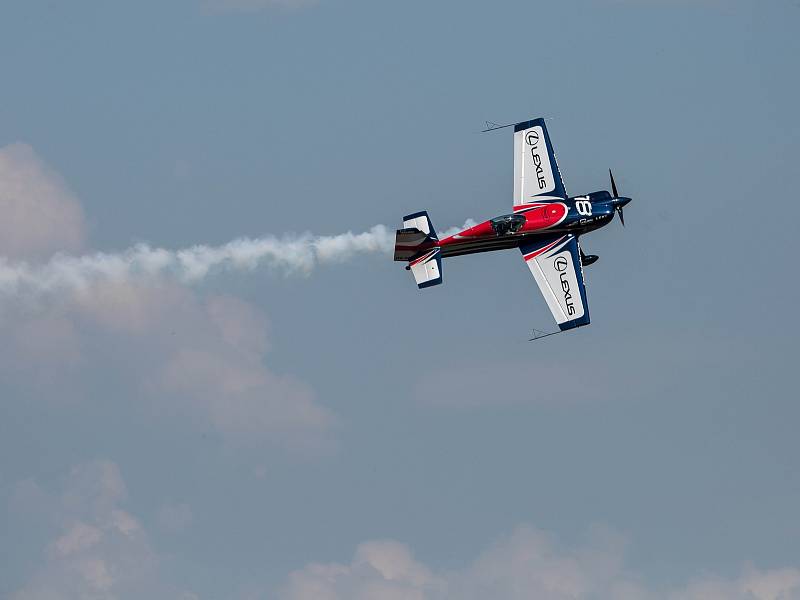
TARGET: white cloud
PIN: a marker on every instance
(39, 214)
(100, 550)
(522, 566)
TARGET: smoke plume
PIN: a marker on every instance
(291, 254)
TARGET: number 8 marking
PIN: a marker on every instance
(584, 207)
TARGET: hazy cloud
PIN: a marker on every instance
(38, 213)
(526, 564)
(380, 570)
(201, 358)
(98, 549)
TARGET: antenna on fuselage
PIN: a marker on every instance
(492, 126)
(538, 334)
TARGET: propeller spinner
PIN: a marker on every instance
(619, 202)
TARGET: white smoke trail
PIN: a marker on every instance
(291, 254)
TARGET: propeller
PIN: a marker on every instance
(616, 195)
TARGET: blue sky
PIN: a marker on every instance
(335, 432)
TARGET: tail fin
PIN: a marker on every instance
(421, 221)
(418, 244)
(411, 242)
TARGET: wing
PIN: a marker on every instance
(556, 265)
(536, 174)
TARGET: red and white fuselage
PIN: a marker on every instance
(505, 231)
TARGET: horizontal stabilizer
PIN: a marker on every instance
(427, 269)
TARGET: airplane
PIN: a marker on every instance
(545, 225)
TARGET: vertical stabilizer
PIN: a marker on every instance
(420, 220)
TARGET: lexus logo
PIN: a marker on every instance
(560, 264)
(532, 138)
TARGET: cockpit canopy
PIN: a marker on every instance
(507, 224)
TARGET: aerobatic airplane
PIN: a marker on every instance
(546, 225)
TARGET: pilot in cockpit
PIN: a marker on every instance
(507, 224)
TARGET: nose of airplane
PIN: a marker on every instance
(618, 202)
(621, 201)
